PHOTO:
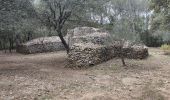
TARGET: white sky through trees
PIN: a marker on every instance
(36, 2)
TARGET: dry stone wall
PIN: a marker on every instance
(91, 46)
(85, 55)
(136, 52)
(40, 45)
(89, 35)
(88, 46)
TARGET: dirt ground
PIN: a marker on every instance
(44, 77)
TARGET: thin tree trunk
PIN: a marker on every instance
(29, 36)
(1, 47)
(10, 45)
(64, 42)
(123, 60)
(4, 47)
(122, 54)
(4, 44)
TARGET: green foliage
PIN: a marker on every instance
(126, 19)
(130, 18)
(160, 21)
(166, 49)
(16, 19)
(150, 40)
(161, 14)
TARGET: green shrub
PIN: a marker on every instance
(150, 40)
(166, 49)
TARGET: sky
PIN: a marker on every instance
(36, 2)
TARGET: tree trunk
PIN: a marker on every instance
(122, 54)
(64, 42)
(1, 47)
(4, 47)
(29, 36)
(10, 45)
(4, 44)
(123, 61)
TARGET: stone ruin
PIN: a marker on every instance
(135, 51)
(40, 45)
(90, 46)
(89, 35)
(85, 55)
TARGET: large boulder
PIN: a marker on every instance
(40, 45)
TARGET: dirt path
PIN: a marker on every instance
(43, 77)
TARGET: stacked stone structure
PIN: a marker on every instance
(88, 46)
(41, 45)
(91, 46)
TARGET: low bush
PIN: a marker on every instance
(150, 40)
(166, 49)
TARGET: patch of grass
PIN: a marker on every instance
(166, 49)
(45, 97)
(114, 67)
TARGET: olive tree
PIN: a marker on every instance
(55, 13)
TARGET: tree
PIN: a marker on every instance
(160, 20)
(127, 18)
(11, 14)
(55, 13)
(161, 15)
